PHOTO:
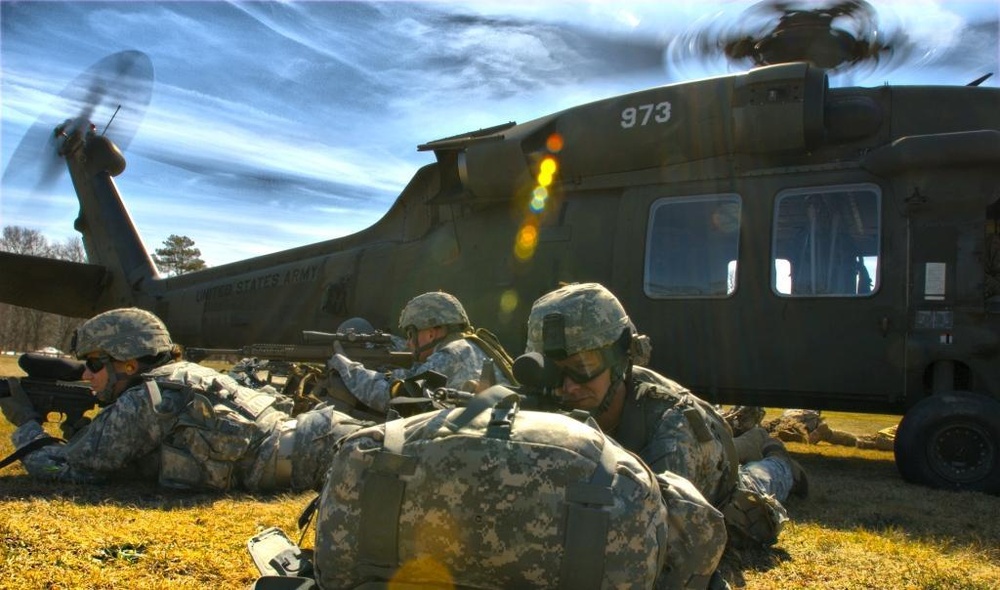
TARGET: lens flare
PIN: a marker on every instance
(538, 199)
(554, 143)
(547, 171)
(548, 166)
(508, 301)
(527, 241)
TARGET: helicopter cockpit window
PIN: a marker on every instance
(826, 242)
(692, 246)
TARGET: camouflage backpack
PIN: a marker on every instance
(487, 496)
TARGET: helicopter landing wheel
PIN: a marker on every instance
(951, 441)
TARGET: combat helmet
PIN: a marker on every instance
(577, 317)
(125, 333)
(436, 308)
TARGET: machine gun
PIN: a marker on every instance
(372, 350)
(54, 386)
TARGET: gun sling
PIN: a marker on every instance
(29, 448)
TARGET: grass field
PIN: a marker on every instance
(861, 527)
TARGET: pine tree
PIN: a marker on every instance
(178, 256)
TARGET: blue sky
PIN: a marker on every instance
(273, 125)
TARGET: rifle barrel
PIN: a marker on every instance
(346, 337)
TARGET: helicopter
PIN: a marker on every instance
(783, 242)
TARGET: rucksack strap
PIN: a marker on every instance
(484, 400)
(381, 504)
(587, 524)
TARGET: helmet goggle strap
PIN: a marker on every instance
(554, 336)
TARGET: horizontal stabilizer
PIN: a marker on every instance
(56, 286)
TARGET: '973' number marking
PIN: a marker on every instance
(644, 113)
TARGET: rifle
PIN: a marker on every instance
(371, 350)
(536, 387)
(53, 386)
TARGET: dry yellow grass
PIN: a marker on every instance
(862, 527)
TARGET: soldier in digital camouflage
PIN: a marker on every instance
(584, 330)
(441, 338)
(179, 423)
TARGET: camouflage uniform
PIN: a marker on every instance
(674, 446)
(673, 430)
(454, 356)
(663, 422)
(195, 428)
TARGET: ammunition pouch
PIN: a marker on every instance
(201, 455)
(211, 437)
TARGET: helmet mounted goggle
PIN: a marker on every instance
(582, 366)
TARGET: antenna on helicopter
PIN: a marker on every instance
(113, 115)
(980, 79)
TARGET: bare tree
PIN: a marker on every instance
(23, 240)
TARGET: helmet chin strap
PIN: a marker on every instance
(107, 395)
(420, 349)
(430, 345)
(609, 396)
(617, 377)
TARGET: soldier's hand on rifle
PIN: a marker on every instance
(338, 348)
(17, 407)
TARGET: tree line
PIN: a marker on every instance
(24, 329)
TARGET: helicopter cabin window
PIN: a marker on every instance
(692, 245)
(826, 242)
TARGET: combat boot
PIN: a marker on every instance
(750, 444)
(800, 482)
(743, 418)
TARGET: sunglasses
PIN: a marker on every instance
(96, 363)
